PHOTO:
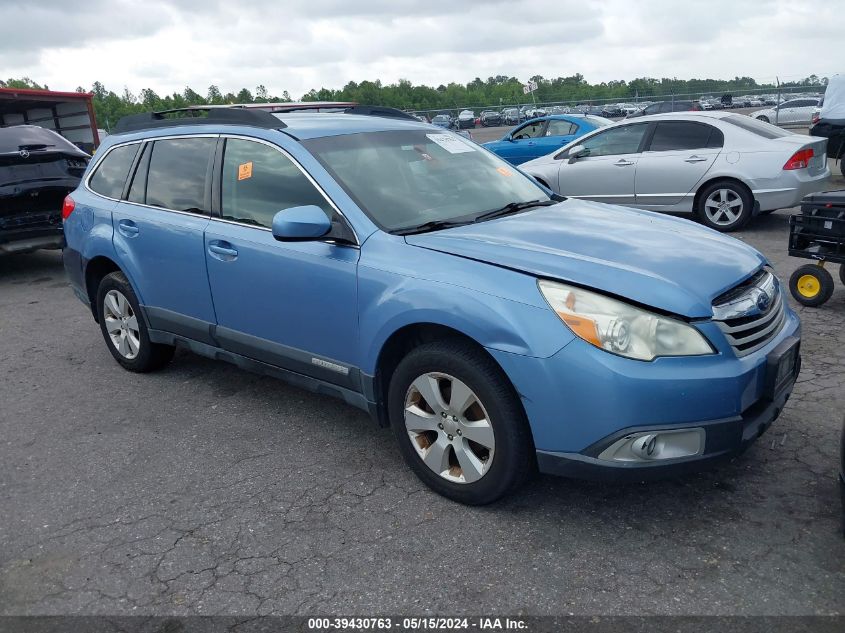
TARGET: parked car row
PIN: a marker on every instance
(725, 167)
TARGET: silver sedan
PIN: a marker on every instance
(724, 167)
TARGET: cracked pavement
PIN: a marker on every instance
(203, 489)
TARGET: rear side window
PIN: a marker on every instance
(111, 174)
(766, 130)
(684, 135)
(561, 128)
(178, 172)
(138, 188)
(259, 181)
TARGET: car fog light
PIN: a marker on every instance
(649, 446)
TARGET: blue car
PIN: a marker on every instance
(543, 135)
(495, 327)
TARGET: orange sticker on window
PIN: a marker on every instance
(245, 171)
(504, 171)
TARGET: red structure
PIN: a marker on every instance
(71, 114)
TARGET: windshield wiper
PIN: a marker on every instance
(433, 225)
(513, 207)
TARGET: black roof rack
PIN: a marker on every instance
(215, 115)
(238, 115)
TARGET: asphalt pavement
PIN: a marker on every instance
(203, 489)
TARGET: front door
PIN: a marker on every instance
(290, 304)
(607, 169)
(520, 145)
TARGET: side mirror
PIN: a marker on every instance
(576, 152)
(298, 224)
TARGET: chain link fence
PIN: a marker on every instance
(747, 100)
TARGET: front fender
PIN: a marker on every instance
(464, 295)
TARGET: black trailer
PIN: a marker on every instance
(818, 233)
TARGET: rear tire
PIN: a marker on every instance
(811, 285)
(724, 205)
(124, 329)
(842, 273)
(437, 432)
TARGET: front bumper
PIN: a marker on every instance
(724, 439)
(582, 399)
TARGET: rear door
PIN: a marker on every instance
(675, 159)
(607, 170)
(789, 112)
(558, 133)
(158, 233)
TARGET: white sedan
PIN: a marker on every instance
(725, 167)
(794, 111)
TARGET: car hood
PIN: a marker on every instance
(667, 263)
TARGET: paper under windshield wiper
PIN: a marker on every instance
(433, 225)
(513, 207)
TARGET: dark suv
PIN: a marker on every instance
(662, 107)
(38, 168)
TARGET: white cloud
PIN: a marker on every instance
(298, 45)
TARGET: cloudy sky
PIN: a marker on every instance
(296, 45)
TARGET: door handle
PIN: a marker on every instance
(623, 163)
(222, 250)
(694, 159)
(128, 228)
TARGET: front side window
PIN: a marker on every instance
(403, 179)
(178, 172)
(620, 140)
(111, 174)
(684, 135)
(259, 181)
(531, 130)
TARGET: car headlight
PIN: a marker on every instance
(621, 328)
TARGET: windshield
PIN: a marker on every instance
(403, 179)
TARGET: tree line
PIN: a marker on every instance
(500, 90)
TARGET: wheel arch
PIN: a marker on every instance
(714, 179)
(400, 343)
(97, 268)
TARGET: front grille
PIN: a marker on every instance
(745, 332)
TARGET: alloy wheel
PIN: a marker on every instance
(449, 427)
(121, 324)
(723, 207)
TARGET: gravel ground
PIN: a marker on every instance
(203, 489)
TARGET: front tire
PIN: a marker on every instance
(764, 119)
(459, 423)
(123, 327)
(725, 206)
